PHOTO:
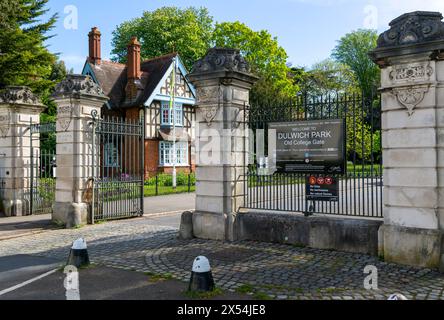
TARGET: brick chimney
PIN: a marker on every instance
(133, 66)
(95, 56)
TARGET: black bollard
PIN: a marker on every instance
(78, 256)
(201, 276)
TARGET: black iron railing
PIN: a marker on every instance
(117, 182)
(359, 188)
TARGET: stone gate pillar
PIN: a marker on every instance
(76, 97)
(19, 107)
(411, 57)
(223, 82)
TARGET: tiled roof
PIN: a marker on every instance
(112, 77)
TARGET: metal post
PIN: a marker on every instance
(174, 125)
(31, 200)
(157, 184)
(189, 182)
(142, 163)
(93, 168)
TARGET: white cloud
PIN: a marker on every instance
(391, 9)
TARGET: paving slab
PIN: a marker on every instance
(264, 269)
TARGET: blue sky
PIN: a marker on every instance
(307, 29)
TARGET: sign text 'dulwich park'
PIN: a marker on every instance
(315, 146)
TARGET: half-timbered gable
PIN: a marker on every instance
(144, 89)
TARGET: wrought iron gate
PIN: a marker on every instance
(118, 168)
(40, 181)
(360, 187)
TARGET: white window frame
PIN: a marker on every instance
(110, 160)
(178, 110)
(166, 154)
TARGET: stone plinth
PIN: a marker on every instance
(412, 86)
(223, 81)
(76, 97)
(19, 108)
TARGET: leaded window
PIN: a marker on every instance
(168, 117)
(166, 153)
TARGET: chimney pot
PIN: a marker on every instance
(95, 56)
(133, 61)
(133, 66)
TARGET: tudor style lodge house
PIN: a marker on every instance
(143, 89)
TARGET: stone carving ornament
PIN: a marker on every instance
(78, 84)
(5, 123)
(19, 95)
(411, 72)
(410, 97)
(64, 116)
(209, 95)
(221, 59)
(209, 113)
(413, 28)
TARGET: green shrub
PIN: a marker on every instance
(166, 180)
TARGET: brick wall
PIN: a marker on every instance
(151, 157)
(152, 161)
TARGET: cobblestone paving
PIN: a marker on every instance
(277, 271)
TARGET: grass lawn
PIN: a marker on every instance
(150, 191)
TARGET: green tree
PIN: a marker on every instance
(57, 74)
(267, 59)
(352, 50)
(186, 31)
(24, 59)
(326, 77)
(8, 13)
(191, 33)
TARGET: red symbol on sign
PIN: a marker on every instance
(321, 181)
(313, 180)
(329, 181)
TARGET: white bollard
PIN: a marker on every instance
(201, 276)
(78, 256)
(397, 296)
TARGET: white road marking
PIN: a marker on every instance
(21, 285)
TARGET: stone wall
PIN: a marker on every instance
(19, 108)
(320, 232)
(412, 88)
(222, 81)
(77, 97)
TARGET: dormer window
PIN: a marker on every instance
(168, 116)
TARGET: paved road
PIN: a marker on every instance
(170, 203)
(12, 227)
(26, 276)
(31, 276)
(150, 244)
(16, 269)
(103, 283)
